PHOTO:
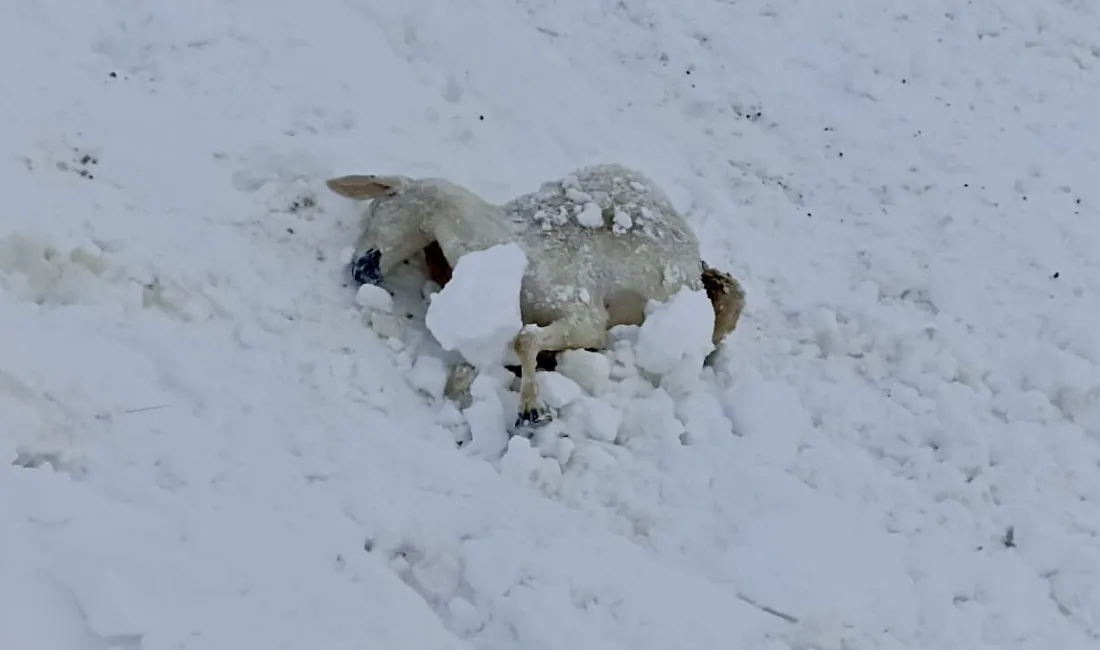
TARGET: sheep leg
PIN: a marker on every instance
(459, 380)
(578, 331)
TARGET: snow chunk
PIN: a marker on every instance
(486, 418)
(703, 417)
(599, 419)
(429, 374)
(651, 422)
(524, 463)
(676, 333)
(560, 449)
(591, 370)
(556, 389)
(590, 216)
(477, 313)
(622, 221)
(388, 326)
(374, 298)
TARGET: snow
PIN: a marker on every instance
(209, 446)
(429, 374)
(676, 333)
(590, 216)
(598, 419)
(487, 417)
(622, 221)
(372, 297)
(590, 370)
(478, 312)
(556, 389)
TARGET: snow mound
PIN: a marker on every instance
(478, 312)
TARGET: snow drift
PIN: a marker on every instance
(212, 442)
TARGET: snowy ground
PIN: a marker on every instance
(210, 450)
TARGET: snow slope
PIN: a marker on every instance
(210, 450)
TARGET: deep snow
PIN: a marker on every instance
(212, 447)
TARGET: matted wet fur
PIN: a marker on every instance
(727, 296)
(600, 243)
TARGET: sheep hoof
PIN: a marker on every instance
(533, 418)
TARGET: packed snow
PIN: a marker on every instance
(675, 337)
(373, 298)
(478, 312)
(214, 440)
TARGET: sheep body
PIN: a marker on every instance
(600, 242)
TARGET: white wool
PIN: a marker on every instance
(478, 312)
(675, 333)
(374, 298)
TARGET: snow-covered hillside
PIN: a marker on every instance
(205, 447)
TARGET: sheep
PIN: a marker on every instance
(600, 244)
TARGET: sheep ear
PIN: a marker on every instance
(360, 186)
